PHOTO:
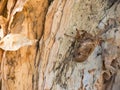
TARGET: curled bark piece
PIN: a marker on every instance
(13, 42)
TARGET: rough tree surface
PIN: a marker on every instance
(39, 44)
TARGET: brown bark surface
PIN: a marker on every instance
(24, 17)
(49, 63)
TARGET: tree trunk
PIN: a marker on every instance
(60, 44)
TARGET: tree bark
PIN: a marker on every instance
(49, 64)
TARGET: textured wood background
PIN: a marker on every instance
(48, 64)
